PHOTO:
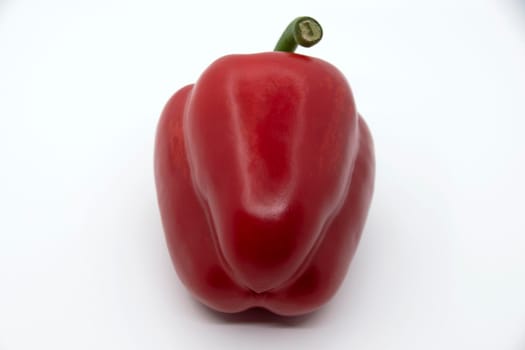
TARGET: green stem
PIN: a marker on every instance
(304, 31)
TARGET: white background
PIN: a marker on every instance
(83, 263)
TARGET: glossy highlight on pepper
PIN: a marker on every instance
(264, 173)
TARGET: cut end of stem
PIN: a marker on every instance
(308, 32)
(303, 31)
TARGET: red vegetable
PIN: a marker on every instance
(264, 174)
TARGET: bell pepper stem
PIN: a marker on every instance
(303, 31)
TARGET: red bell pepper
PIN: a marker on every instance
(264, 174)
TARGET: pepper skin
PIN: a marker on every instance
(264, 174)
